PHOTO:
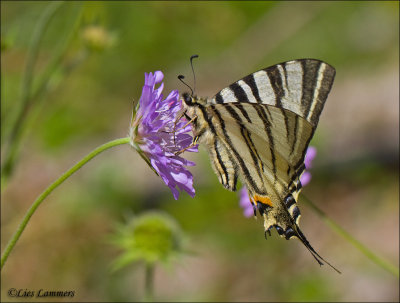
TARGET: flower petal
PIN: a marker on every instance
(158, 76)
(305, 178)
(244, 202)
(310, 155)
(156, 119)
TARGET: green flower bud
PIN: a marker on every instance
(151, 237)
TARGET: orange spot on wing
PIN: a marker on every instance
(263, 200)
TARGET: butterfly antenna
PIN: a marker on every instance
(181, 77)
(194, 75)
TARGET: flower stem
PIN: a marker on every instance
(361, 247)
(53, 186)
(149, 282)
(26, 88)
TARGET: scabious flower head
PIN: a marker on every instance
(98, 38)
(157, 135)
(244, 199)
(150, 237)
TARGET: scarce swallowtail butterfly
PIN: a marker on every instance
(258, 129)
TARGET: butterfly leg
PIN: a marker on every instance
(187, 117)
(267, 231)
(194, 142)
(177, 120)
(190, 121)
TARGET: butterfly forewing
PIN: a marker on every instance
(300, 86)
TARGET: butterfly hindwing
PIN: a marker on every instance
(263, 155)
(267, 133)
(223, 164)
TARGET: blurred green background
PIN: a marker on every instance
(90, 69)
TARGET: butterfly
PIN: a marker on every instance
(258, 129)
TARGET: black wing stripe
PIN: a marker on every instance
(288, 170)
(285, 74)
(277, 85)
(205, 117)
(218, 98)
(235, 174)
(243, 111)
(269, 113)
(286, 123)
(301, 159)
(296, 125)
(246, 136)
(239, 92)
(234, 182)
(239, 159)
(310, 76)
(252, 150)
(229, 185)
(292, 185)
(267, 128)
(221, 164)
(249, 80)
(322, 94)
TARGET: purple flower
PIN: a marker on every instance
(310, 155)
(244, 202)
(157, 135)
(244, 199)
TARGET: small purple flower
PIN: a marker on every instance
(310, 155)
(244, 199)
(157, 135)
(244, 202)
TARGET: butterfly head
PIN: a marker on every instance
(188, 99)
(191, 100)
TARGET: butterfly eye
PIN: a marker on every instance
(187, 98)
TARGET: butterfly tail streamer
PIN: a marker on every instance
(316, 256)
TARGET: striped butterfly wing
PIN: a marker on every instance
(270, 141)
(223, 163)
(301, 86)
(297, 90)
(254, 135)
